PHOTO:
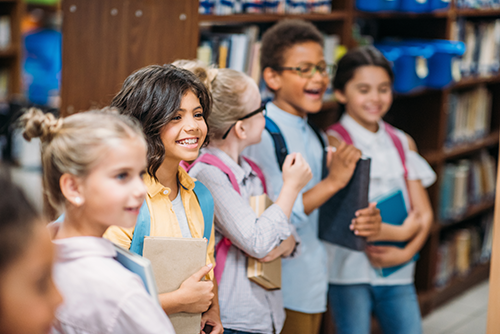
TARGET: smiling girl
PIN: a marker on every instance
(93, 166)
(172, 106)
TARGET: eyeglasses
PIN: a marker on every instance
(308, 70)
(262, 110)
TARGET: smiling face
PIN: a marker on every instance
(114, 191)
(295, 94)
(28, 297)
(184, 135)
(367, 96)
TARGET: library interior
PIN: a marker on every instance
(69, 56)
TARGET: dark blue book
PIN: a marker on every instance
(393, 211)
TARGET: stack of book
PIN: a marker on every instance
(482, 57)
(466, 183)
(229, 7)
(468, 116)
(463, 249)
(241, 52)
(478, 4)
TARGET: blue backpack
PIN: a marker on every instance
(143, 225)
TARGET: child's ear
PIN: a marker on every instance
(239, 130)
(71, 189)
(272, 78)
(340, 96)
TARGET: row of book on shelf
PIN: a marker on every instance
(465, 183)
(478, 4)
(241, 52)
(463, 249)
(482, 40)
(229, 7)
(469, 116)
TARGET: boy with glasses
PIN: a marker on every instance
(295, 70)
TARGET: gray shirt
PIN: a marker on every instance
(244, 305)
(180, 213)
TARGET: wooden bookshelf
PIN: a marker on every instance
(97, 59)
(10, 58)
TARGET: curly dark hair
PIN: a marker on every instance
(152, 95)
(284, 35)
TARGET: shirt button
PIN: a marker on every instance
(165, 192)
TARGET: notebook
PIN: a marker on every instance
(266, 274)
(336, 214)
(140, 266)
(174, 260)
(393, 211)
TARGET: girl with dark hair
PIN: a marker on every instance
(358, 284)
(28, 296)
(173, 105)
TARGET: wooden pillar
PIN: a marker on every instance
(493, 324)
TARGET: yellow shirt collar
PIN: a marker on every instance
(155, 187)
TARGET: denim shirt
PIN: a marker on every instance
(304, 277)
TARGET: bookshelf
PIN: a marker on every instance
(10, 56)
(97, 60)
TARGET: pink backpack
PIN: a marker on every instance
(222, 248)
(339, 128)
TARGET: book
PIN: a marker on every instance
(266, 274)
(336, 214)
(173, 261)
(140, 266)
(393, 211)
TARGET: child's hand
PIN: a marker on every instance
(197, 295)
(341, 163)
(284, 249)
(367, 222)
(387, 256)
(296, 171)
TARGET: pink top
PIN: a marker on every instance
(100, 295)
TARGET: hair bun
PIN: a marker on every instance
(37, 124)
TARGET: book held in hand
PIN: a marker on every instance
(336, 214)
(173, 261)
(393, 211)
(266, 274)
(140, 266)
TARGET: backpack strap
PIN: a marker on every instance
(212, 160)
(339, 128)
(279, 142)
(257, 171)
(141, 230)
(143, 224)
(399, 146)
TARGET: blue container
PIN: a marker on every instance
(439, 4)
(377, 5)
(410, 65)
(415, 6)
(443, 60)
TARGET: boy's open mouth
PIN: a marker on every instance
(315, 92)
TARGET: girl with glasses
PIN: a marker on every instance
(237, 121)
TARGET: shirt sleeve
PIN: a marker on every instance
(419, 169)
(236, 219)
(264, 155)
(120, 236)
(140, 314)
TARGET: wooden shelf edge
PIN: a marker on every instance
(438, 296)
(472, 211)
(400, 15)
(489, 140)
(247, 18)
(12, 51)
(478, 12)
(472, 81)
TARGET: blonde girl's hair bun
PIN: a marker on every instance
(206, 74)
(37, 124)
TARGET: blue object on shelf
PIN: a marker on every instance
(409, 64)
(442, 61)
(377, 5)
(415, 6)
(439, 4)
